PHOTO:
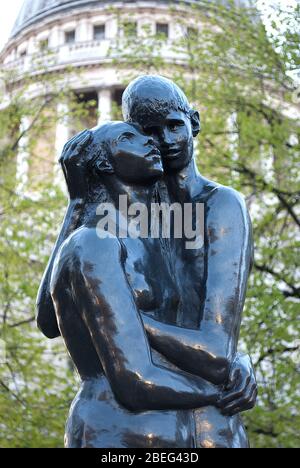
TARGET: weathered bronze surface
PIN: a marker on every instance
(152, 327)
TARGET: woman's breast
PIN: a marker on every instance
(155, 288)
(97, 420)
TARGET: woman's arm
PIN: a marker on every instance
(46, 318)
(106, 303)
(73, 166)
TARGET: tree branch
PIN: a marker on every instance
(273, 351)
(23, 322)
(14, 146)
(278, 276)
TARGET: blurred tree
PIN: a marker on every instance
(37, 384)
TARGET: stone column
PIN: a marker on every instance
(233, 140)
(146, 26)
(176, 31)
(104, 105)
(111, 28)
(31, 47)
(23, 157)
(55, 37)
(61, 138)
(232, 128)
(84, 31)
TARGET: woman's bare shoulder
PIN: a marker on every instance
(85, 246)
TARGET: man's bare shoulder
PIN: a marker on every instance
(220, 197)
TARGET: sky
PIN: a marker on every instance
(10, 11)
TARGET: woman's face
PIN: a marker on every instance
(133, 155)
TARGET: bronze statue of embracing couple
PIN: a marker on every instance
(152, 326)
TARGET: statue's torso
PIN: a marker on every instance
(96, 419)
(167, 284)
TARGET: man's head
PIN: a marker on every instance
(162, 110)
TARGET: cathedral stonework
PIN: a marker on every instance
(80, 34)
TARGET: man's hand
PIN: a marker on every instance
(73, 164)
(240, 393)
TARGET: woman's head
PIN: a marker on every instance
(120, 148)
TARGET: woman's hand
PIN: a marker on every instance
(73, 164)
(240, 393)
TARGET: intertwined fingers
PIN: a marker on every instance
(246, 402)
(238, 392)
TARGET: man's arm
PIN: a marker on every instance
(106, 303)
(210, 351)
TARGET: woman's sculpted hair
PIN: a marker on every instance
(97, 154)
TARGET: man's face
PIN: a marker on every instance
(173, 136)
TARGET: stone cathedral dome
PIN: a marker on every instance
(77, 36)
(33, 11)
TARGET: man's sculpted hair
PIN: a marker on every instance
(151, 95)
